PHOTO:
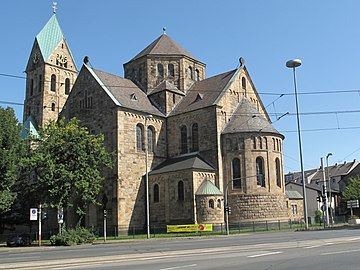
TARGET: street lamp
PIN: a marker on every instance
(147, 178)
(329, 184)
(294, 64)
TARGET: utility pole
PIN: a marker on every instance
(325, 192)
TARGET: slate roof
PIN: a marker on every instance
(209, 90)
(124, 92)
(166, 85)
(49, 37)
(293, 194)
(163, 45)
(185, 162)
(246, 118)
(208, 188)
(29, 128)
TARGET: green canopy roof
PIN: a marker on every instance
(29, 128)
(208, 188)
(49, 37)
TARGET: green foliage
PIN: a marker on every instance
(352, 191)
(77, 236)
(10, 151)
(318, 216)
(66, 165)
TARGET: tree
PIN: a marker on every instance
(10, 149)
(352, 191)
(64, 166)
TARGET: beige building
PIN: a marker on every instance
(195, 137)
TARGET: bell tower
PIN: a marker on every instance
(50, 74)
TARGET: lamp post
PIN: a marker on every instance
(329, 186)
(294, 64)
(147, 178)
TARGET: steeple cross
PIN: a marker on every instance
(54, 7)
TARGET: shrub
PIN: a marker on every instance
(79, 235)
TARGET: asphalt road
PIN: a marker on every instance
(316, 250)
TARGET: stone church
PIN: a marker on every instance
(196, 141)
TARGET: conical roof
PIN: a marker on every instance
(29, 128)
(49, 37)
(163, 45)
(208, 188)
(247, 118)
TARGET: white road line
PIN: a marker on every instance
(264, 254)
(340, 252)
(179, 267)
(313, 246)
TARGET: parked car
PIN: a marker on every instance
(19, 240)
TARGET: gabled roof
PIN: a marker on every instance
(246, 118)
(208, 188)
(209, 89)
(29, 128)
(124, 92)
(49, 37)
(185, 162)
(163, 45)
(168, 86)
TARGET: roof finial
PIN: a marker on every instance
(164, 30)
(54, 7)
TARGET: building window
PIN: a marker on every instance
(274, 144)
(67, 86)
(260, 176)
(243, 83)
(195, 137)
(151, 138)
(40, 83)
(171, 70)
(211, 204)
(218, 203)
(174, 98)
(294, 209)
(266, 143)
(260, 143)
(53, 107)
(254, 142)
(139, 137)
(190, 73)
(278, 174)
(31, 87)
(181, 191)
(160, 70)
(197, 75)
(183, 139)
(156, 193)
(236, 173)
(53, 82)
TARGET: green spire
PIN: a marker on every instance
(49, 37)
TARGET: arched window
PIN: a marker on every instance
(260, 176)
(67, 86)
(183, 140)
(53, 107)
(260, 143)
(274, 144)
(171, 70)
(40, 83)
(218, 203)
(211, 204)
(160, 70)
(31, 87)
(236, 173)
(254, 142)
(151, 138)
(197, 75)
(243, 83)
(195, 137)
(53, 82)
(278, 172)
(139, 137)
(266, 143)
(190, 73)
(156, 193)
(181, 191)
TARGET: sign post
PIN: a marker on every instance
(39, 211)
(60, 217)
(352, 204)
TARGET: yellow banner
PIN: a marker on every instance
(189, 228)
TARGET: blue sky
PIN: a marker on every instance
(324, 34)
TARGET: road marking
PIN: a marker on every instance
(340, 252)
(316, 246)
(264, 254)
(179, 267)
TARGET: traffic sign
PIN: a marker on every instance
(352, 204)
(60, 215)
(33, 214)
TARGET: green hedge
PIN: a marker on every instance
(77, 236)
